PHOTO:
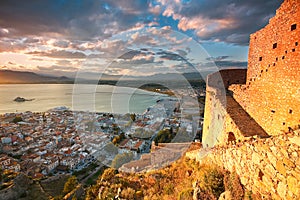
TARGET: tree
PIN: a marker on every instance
(70, 184)
(116, 139)
(133, 117)
(164, 136)
(121, 159)
(17, 119)
(1, 174)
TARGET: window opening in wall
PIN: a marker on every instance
(260, 59)
(293, 27)
(231, 137)
(274, 45)
(260, 175)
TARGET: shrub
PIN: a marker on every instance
(233, 184)
(211, 180)
(70, 184)
(128, 193)
(17, 119)
(169, 188)
(108, 174)
(186, 194)
(121, 159)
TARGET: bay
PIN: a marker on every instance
(94, 98)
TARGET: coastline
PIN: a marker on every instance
(47, 96)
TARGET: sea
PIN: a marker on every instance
(79, 97)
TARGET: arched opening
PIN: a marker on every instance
(231, 137)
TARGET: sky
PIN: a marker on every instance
(132, 37)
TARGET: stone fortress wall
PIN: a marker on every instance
(252, 117)
(270, 92)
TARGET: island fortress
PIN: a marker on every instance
(252, 117)
(263, 100)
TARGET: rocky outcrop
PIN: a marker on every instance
(21, 99)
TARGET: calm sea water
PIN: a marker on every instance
(101, 98)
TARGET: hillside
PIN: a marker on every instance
(9, 77)
(183, 180)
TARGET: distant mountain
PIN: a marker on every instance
(9, 76)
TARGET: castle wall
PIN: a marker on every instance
(269, 167)
(266, 104)
(217, 122)
(272, 92)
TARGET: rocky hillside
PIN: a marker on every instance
(185, 179)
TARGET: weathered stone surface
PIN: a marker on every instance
(272, 158)
(295, 140)
(282, 190)
(280, 167)
(269, 169)
(287, 162)
(293, 185)
(268, 182)
(256, 158)
(270, 96)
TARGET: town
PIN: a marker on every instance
(61, 141)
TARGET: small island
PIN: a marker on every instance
(21, 99)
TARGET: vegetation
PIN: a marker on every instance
(141, 133)
(133, 117)
(121, 159)
(172, 182)
(55, 187)
(233, 184)
(211, 180)
(164, 136)
(85, 171)
(118, 138)
(70, 184)
(17, 119)
(92, 180)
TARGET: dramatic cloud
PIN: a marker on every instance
(59, 54)
(221, 20)
(153, 34)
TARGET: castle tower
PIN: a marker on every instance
(267, 101)
(272, 92)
